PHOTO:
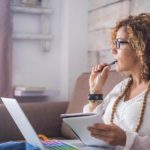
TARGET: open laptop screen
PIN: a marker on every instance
(22, 122)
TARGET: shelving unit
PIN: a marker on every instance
(44, 13)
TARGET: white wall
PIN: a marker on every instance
(57, 69)
(74, 29)
(103, 14)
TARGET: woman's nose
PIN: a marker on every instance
(114, 50)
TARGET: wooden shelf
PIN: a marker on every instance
(44, 36)
(31, 10)
(29, 36)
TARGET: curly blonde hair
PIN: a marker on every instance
(138, 29)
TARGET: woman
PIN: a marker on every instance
(126, 109)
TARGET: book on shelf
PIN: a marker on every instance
(79, 122)
(30, 91)
(30, 88)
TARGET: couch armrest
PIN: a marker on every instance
(44, 117)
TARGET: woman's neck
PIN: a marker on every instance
(137, 80)
(137, 86)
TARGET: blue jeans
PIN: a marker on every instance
(17, 146)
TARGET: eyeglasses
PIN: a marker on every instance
(118, 43)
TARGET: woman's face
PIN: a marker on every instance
(124, 53)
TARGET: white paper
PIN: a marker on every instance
(80, 124)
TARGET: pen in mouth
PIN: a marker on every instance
(112, 63)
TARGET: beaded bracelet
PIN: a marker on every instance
(95, 97)
(97, 102)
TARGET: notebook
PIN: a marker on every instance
(27, 130)
(79, 122)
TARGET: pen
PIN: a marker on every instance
(110, 64)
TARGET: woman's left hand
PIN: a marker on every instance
(110, 133)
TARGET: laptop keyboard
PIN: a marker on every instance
(58, 145)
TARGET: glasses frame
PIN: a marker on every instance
(118, 43)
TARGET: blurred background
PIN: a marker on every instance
(55, 41)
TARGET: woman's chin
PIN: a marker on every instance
(122, 71)
(117, 68)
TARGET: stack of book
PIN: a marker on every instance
(30, 91)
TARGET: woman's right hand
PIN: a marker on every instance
(98, 77)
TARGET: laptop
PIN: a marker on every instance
(27, 130)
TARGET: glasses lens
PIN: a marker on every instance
(117, 44)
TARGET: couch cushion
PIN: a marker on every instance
(80, 93)
(43, 116)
